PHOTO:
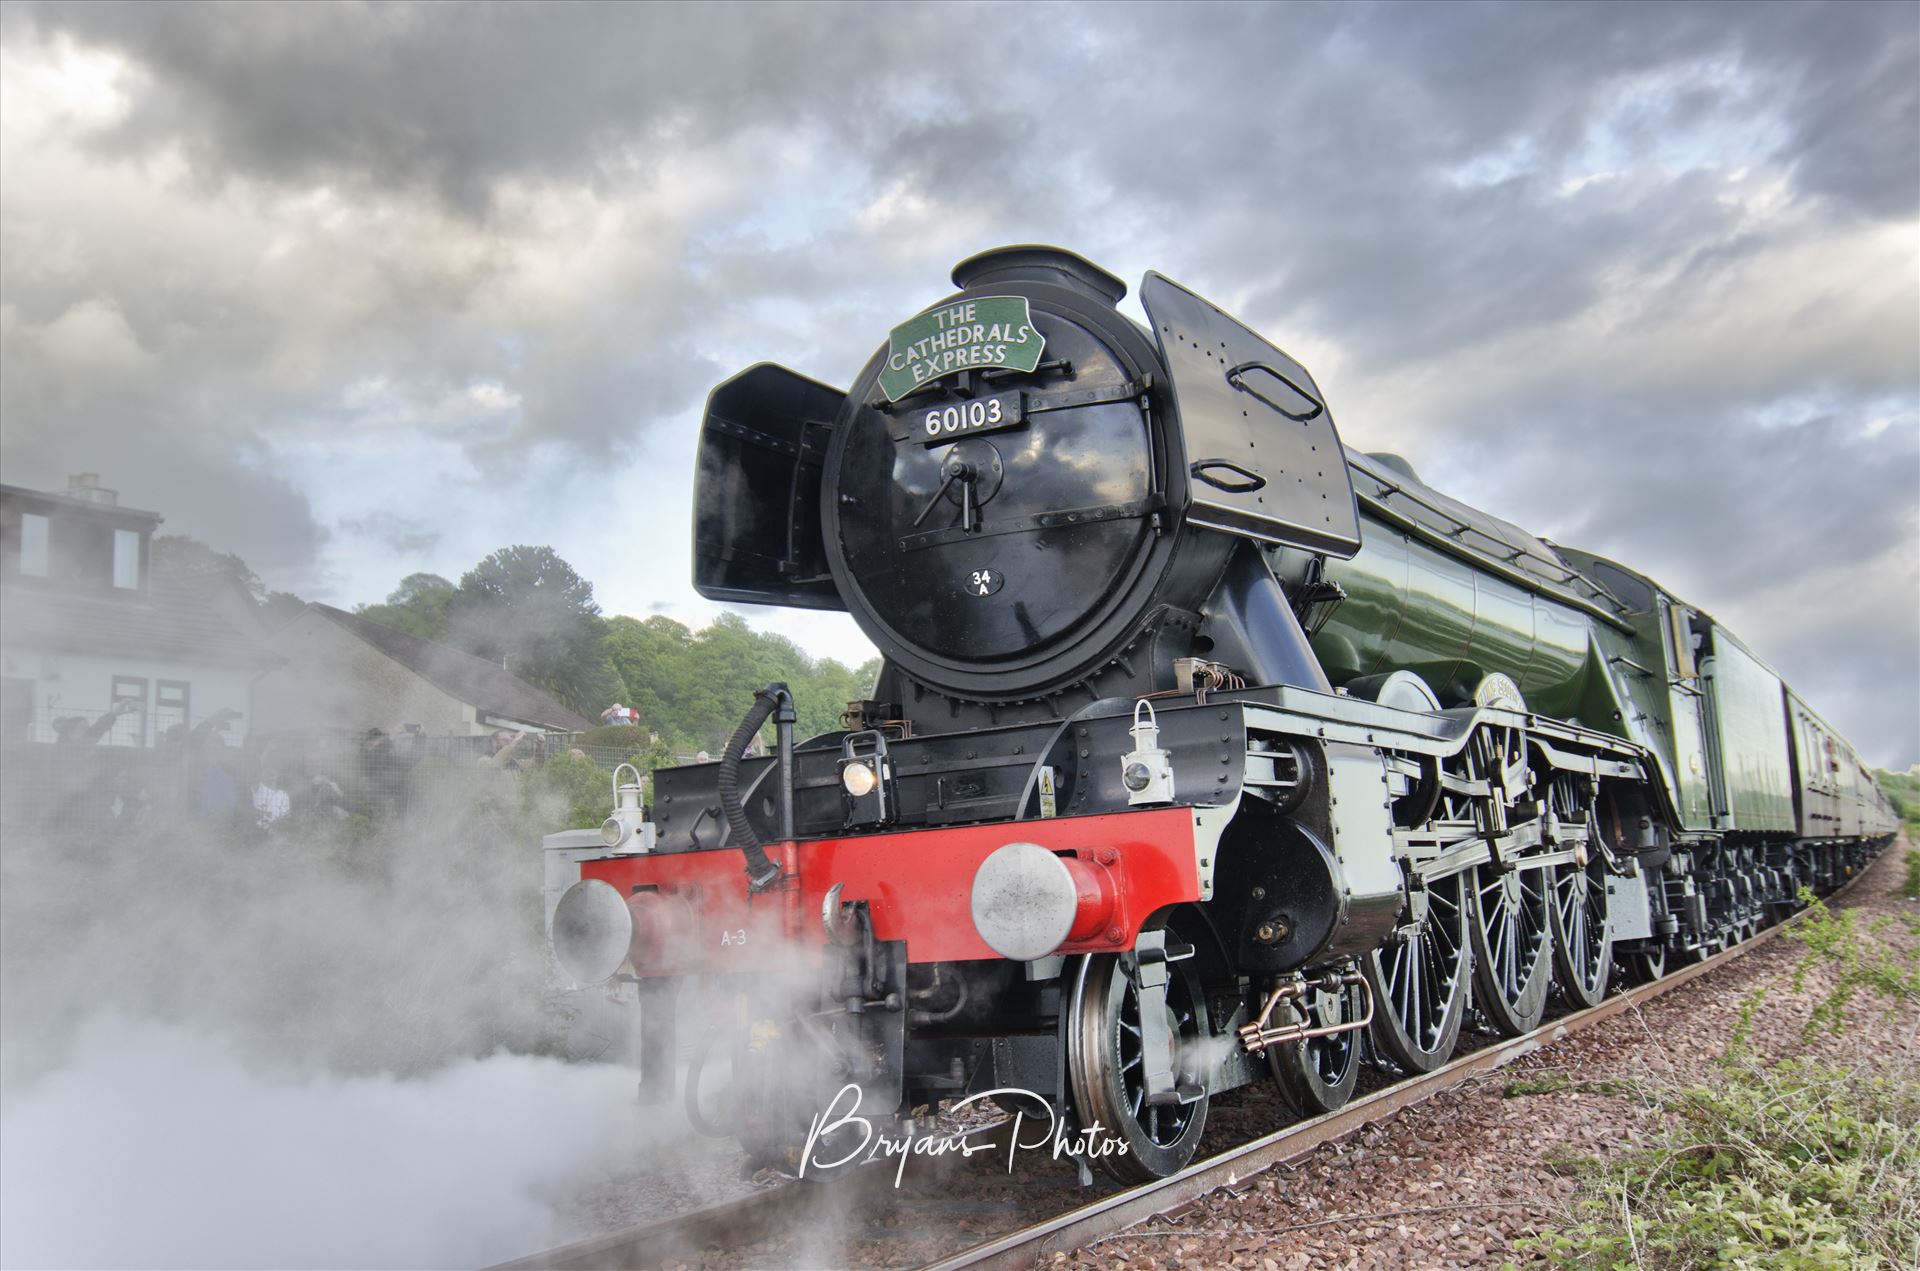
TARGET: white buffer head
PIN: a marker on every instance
(592, 928)
(1023, 902)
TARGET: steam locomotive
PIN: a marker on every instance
(1204, 750)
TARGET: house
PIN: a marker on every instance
(85, 629)
(348, 673)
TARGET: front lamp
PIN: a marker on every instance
(858, 779)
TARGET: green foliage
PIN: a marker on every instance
(611, 745)
(1788, 1165)
(1552, 1081)
(1833, 940)
(622, 737)
(1793, 1164)
(658, 754)
(176, 557)
(693, 687)
(277, 608)
(577, 791)
(418, 606)
(1910, 886)
(526, 608)
(1903, 791)
(181, 557)
(1739, 1045)
(1902, 787)
(655, 754)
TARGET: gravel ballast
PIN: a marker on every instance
(1456, 1181)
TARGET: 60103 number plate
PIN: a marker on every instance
(954, 419)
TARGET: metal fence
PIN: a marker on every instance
(90, 772)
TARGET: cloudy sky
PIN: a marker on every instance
(360, 290)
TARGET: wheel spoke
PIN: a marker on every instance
(1416, 1015)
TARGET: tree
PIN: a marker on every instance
(180, 557)
(279, 608)
(647, 657)
(418, 606)
(525, 608)
(693, 687)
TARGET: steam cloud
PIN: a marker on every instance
(312, 1050)
(160, 1145)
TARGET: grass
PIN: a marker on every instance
(1834, 942)
(1551, 1081)
(1793, 1164)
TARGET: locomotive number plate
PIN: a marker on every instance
(948, 421)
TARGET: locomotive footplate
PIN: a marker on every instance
(698, 917)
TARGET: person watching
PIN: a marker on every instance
(73, 730)
(507, 750)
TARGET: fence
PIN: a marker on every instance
(89, 772)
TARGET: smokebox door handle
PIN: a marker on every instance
(1253, 377)
(1205, 470)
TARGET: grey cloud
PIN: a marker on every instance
(204, 492)
(454, 98)
(402, 534)
(84, 393)
(1800, 535)
(1325, 173)
(1856, 108)
(1813, 488)
(1400, 185)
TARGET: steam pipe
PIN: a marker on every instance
(762, 873)
(784, 717)
(923, 1017)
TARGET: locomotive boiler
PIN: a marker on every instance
(1203, 749)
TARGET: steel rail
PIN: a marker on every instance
(1116, 1213)
(782, 1210)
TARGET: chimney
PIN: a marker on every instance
(86, 486)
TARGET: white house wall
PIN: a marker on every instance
(82, 684)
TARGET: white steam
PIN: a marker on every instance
(162, 1147)
(324, 1048)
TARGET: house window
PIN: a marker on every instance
(130, 729)
(33, 545)
(171, 701)
(126, 559)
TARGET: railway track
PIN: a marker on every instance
(869, 1212)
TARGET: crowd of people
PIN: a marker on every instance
(261, 788)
